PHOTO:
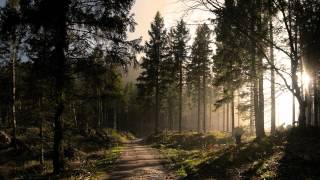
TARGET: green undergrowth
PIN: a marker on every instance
(187, 150)
(87, 153)
(291, 154)
(100, 166)
(189, 140)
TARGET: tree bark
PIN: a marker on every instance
(232, 113)
(238, 107)
(316, 99)
(224, 118)
(180, 95)
(293, 109)
(41, 134)
(302, 114)
(157, 101)
(98, 109)
(256, 107)
(170, 114)
(309, 107)
(210, 110)
(14, 47)
(204, 101)
(218, 119)
(252, 110)
(260, 125)
(228, 113)
(273, 99)
(74, 111)
(60, 28)
(14, 4)
(199, 96)
(115, 119)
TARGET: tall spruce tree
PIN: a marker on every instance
(199, 69)
(238, 60)
(179, 39)
(230, 58)
(153, 81)
(10, 32)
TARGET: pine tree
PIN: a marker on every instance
(230, 58)
(153, 81)
(238, 60)
(10, 29)
(198, 69)
(179, 39)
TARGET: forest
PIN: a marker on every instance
(236, 96)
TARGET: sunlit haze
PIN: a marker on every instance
(174, 10)
(160, 89)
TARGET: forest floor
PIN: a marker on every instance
(139, 161)
(88, 155)
(291, 154)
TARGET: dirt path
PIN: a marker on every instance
(140, 162)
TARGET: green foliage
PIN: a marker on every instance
(179, 37)
(188, 140)
(286, 155)
(199, 67)
(106, 162)
(277, 156)
(187, 150)
(156, 64)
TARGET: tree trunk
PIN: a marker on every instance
(293, 109)
(60, 29)
(232, 113)
(58, 144)
(74, 115)
(99, 108)
(14, 47)
(157, 105)
(256, 107)
(170, 114)
(228, 119)
(210, 110)
(180, 96)
(115, 119)
(107, 117)
(218, 119)
(199, 96)
(260, 127)
(316, 99)
(273, 99)
(41, 134)
(258, 97)
(224, 118)
(204, 102)
(260, 67)
(238, 108)
(252, 110)
(302, 114)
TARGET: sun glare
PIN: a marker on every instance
(306, 79)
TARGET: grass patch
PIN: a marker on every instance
(186, 151)
(110, 157)
(291, 154)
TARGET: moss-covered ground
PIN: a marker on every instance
(291, 154)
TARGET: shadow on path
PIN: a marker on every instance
(139, 161)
